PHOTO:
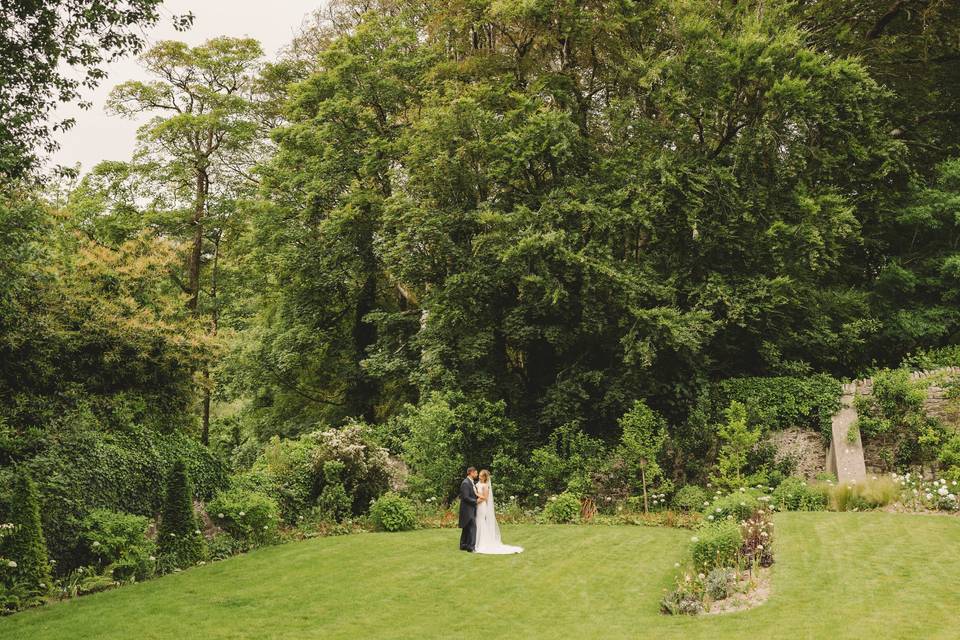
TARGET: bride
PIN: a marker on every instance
(488, 532)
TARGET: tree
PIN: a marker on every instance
(202, 142)
(737, 440)
(49, 52)
(179, 542)
(26, 545)
(643, 433)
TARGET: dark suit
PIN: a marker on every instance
(468, 515)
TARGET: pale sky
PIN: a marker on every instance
(97, 136)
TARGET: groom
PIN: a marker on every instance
(468, 511)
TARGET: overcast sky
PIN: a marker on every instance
(98, 136)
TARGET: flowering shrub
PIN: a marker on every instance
(933, 495)
(716, 545)
(562, 509)
(249, 517)
(737, 506)
(794, 494)
(119, 544)
(757, 534)
(293, 472)
(392, 512)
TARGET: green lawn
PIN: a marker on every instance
(838, 575)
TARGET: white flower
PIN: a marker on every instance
(943, 491)
(929, 496)
(760, 547)
(152, 558)
(676, 565)
(706, 504)
(710, 517)
(43, 585)
(219, 515)
(719, 509)
(173, 535)
(743, 504)
(197, 531)
(12, 564)
(96, 544)
(242, 513)
(694, 539)
(201, 563)
(701, 576)
(265, 527)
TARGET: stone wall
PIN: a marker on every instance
(805, 447)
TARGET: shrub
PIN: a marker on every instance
(716, 545)
(84, 469)
(119, 542)
(292, 471)
(567, 461)
(689, 498)
(249, 517)
(737, 506)
(719, 582)
(562, 509)
(738, 439)
(685, 599)
(25, 544)
(223, 545)
(392, 512)
(179, 541)
(643, 432)
(446, 431)
(794, 494)
(334, 502)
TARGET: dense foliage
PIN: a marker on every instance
(603, 249)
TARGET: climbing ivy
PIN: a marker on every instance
(782, 402)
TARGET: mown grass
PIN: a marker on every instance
(838, 575)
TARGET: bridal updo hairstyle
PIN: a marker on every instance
(484, 476)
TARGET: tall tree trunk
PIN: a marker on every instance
(199, 208)
(214, 326)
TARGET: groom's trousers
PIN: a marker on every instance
(468, 535)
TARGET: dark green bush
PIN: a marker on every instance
(25, 544)
(180, 543)
(794, 494)
(562, 509)
(334, 502)
(82, 470)
(249, 517)
(392, 512)
(716, 545)
(119, 544)
(689, 498)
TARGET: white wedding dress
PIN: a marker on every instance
(488, 531)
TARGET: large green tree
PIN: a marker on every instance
(206, 133)
(49, 52)
(568, 208)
